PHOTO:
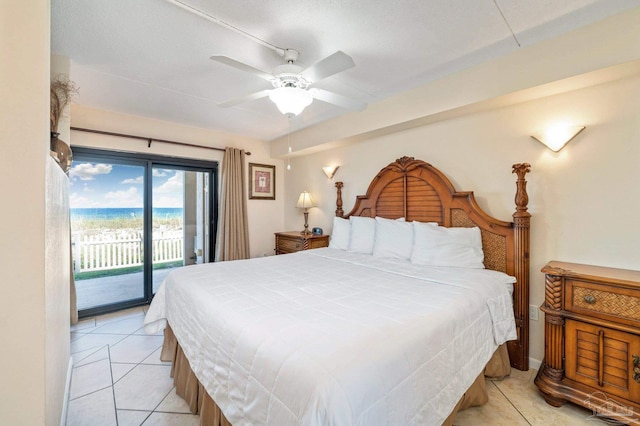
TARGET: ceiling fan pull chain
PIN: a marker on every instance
(289, 143)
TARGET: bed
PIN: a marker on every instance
(335, 336)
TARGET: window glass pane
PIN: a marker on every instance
(107, 223)
(179, 220)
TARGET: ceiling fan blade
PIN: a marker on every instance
(251, 97)
(328, 66)
(335, 99)
(241, 66)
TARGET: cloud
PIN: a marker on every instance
(128, 198)
(173, 185)
(78, 202)
(170, 193)
(85, 188)
(134, 181)
(159, 172)
(88, 171)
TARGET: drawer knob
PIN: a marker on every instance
(636, 368)
(590, 299)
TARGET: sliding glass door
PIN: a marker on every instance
(107, 224)
(133, 220)
(180, 220)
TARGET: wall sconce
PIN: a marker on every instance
(330, 170)
(556, 137)
(305, 202)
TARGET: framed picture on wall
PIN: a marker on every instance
(262, 182)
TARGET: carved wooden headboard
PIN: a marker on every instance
(416, 190)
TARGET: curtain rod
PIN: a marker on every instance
(149, 140)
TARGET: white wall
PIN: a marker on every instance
(583, 199)
(57, 269)
(56, 288)
(32, 390)
(265, 216)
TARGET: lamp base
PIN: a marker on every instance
(306, 223)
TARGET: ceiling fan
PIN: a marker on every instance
(292, 85)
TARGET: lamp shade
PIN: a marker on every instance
(291, 100)
(305, 201)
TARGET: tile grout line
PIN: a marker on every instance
(161, 401)
(90, 393)
(84, 365)
(135, 365)
(113, 383)
(113, 390)
(85, 319)
(512, 404)
(133, 368)
(164, 397)
(100, 334)
(98, 327)
(151, 365)
(90, 355)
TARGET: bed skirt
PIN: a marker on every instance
(189, 388)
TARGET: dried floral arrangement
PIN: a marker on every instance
(62, 91)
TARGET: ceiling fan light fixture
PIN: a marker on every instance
(291, 100)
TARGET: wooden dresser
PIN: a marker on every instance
(592, 339)
(291, 242)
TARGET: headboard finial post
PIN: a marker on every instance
(339, 211)
(519, 349)
(522, 199)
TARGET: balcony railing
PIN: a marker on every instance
(123, 250)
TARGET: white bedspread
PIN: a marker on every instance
(327, 337)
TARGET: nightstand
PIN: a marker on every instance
(291, 242)
(592, 339)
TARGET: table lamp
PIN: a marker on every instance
(305, 202)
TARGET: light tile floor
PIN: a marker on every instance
(118, 379)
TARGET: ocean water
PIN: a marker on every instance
(122, 213)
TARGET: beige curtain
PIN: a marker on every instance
(233, 229)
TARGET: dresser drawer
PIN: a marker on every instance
(291, 242)
(289, 245)
(318, 243)
(604, 301)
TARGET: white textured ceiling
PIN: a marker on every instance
(151, 57)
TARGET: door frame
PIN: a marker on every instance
(149, 161)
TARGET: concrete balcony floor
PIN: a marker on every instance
(96, 292)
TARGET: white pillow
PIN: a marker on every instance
(440, 246)
(361, 238)
(393, 238)
(340, 234)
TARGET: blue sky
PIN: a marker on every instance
(111, 185)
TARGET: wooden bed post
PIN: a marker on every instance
(519, 349)
(339, 211)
